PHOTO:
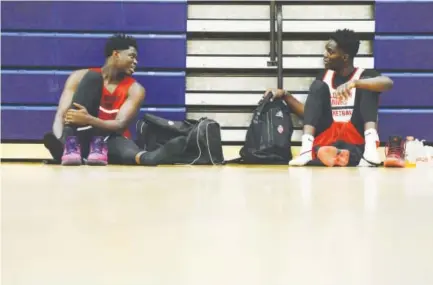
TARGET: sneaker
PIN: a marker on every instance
(332, 156)
(302, 159)
(370, 158)
(395, 152)
(98, 154)
(71, 152)
(54, 146)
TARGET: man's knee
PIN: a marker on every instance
(92, 77)
(91, 83)
(318, 87)
(89, 92)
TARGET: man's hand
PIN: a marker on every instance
(277, 93)
(78, 117)
(343, 91)
(296, 106)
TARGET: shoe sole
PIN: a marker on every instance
(296, 163)
(331, 156)
(97, 162)
(393, 162)
(71, 162)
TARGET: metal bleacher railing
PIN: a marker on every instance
(276, 45)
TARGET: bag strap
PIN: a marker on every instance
(190, 122)
(257, 112)
(262, 103)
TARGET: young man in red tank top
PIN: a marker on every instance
(341, 111)
(95, 109)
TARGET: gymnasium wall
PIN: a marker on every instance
(42, 42)
(208, 58)
(229, 50)
(403, 49)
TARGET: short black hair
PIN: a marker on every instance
(119, 42)
(347, 40)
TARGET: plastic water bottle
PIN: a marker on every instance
(422, 157)
(410, 157)
(429, 151)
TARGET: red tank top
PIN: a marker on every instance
(112, 101)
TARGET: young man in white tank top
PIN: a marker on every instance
(342, 107)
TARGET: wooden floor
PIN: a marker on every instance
(216, 225)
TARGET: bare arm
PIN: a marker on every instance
(126, 113)
(296, 106)
(66, 100)
(376, 84)
(371, 80)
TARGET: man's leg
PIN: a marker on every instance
(317, 119)
(362, 127)
(125, 152)
(74, 142)
(364, 119)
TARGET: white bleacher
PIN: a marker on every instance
(261, 47)
(227, 75)
(255, 11)
(236, 62)
(293, 26)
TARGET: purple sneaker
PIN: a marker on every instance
(98, 152)
(71, 152)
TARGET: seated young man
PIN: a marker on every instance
(341, 110)
(95, 109)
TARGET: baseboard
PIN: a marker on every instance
(37, 152)
(28, 152)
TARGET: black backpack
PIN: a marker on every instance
(203, 138)
(268, 138)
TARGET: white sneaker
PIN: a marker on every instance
(372, 158)
(302, 159)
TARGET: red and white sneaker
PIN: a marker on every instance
(395, 152)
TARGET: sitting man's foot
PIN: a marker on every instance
(302, 159)
(370, 158)
(332, 156)
(163, 154)
(71, 152)
(395, 152)
(98, 152)
(54, 146)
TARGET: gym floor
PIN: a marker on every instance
(196, 225)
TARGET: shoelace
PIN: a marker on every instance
(72, 147)
(97, 147)
(395, 150)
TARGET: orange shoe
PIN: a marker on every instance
(395, 151)
(332, 156)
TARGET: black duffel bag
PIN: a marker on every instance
(204, 145)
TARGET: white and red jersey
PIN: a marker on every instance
(341, 110)
(112, 101)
